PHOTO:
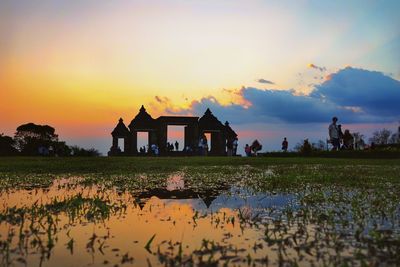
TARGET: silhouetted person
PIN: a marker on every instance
(306, 148)
(285, 144)
(188, 150)
(229, 147)
(247, 150)
(205, 145)
(235, 145)
(340, 131)
(348, 140)
(200, 146)
(176, 145)
(255, 147)
(372, 147)
(334, 134)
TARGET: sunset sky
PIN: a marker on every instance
(271, 68)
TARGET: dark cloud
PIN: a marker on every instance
(265, 81)
(354, 95)
(370, 91)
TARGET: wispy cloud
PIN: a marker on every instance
(265, 81)
(313, 66)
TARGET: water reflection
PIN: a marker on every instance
(69, 224)
(175, 189)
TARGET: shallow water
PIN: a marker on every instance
(69, 224)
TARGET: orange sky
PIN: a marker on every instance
(81, 66)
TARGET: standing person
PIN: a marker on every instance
(255, 147)
(200, 146)
(334, 134)
(285, 145)
(348, 140)
(176, 145)
(153, 149)
(340, 135)
(247, 150)
(235, 145)
(229, 147)
(205, 145)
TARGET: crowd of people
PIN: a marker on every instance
(253, 149)
(337, 138)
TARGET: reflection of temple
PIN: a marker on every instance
(195, 127)
(207, 196)
(175, 189)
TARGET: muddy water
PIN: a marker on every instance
(69, 224)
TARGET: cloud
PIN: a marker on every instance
(313, 66)
(268, 106)
(371, 91)
(354, 95)
(265, 81)
(162, 104)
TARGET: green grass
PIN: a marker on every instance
(200, 172)
(129, 165)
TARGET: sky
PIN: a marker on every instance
(271, 68)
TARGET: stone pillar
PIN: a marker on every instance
(218, 145)
(127, 145)
(194, 135)
(133, 143)
(114, 142)
(152, 138)
(162, 138)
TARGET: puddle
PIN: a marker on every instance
(69, 224)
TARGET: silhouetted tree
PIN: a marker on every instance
(7, 146)
(30, 137)
(320, 145)
(380, 137)
(305, 147)
(61, 149)
(81, 152)
(395, 138)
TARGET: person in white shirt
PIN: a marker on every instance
(334, 134)
(235, 145)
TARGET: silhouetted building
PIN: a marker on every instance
(157, 132)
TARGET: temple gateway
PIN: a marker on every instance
(194, 129)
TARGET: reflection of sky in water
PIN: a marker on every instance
(188, 221)
(241, 197)
(175, 214)
(238, 198)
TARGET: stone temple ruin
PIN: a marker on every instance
(194, 128)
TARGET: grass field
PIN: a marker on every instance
(152, 164)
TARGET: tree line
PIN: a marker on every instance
(39, 140)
